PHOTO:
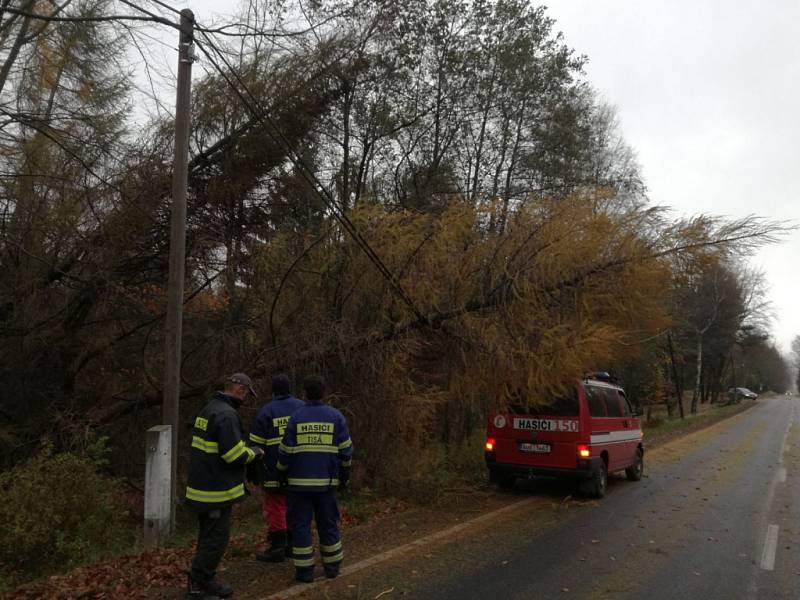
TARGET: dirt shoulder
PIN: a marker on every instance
(387, 529)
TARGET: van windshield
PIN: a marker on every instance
(559, 406)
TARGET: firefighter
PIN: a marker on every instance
(216, 482)
(313, 460)
(266, 432)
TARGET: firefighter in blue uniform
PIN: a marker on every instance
(313, 460)
(267, 432)
(216, 482)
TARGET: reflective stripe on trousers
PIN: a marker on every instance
(321, 507)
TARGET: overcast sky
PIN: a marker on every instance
(708, 93)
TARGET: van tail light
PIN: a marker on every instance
(584, 451)
(490, 444)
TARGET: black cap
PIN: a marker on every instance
(281, 385)
(243, 379)
(314, 387)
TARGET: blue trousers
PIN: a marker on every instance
(302, 506)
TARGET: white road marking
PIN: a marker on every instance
(782, 475)
(771, 539)
(770, 547)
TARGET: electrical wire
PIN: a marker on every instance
(166, 6)
(253, 105)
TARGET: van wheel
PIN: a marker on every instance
(634, 472)
(599, 481)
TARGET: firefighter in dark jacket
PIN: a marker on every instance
(313, 460)
(216, 482)
(267, 432)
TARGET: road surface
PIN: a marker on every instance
(717, 516)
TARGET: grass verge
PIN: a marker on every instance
(660, 432)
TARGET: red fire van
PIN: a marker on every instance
(587, 434)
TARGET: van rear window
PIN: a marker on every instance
(563, 406)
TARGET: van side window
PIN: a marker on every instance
(597, 404)
(626, 406)
(613, 403)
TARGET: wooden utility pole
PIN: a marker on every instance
(177, 246)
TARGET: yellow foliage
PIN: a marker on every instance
(563, 290)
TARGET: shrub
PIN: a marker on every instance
(435, 469)
(56, 511)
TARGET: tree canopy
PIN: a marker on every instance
(425, 201)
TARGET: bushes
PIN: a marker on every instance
(56, 511)
(424, 476)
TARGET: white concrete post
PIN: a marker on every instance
(158, 485)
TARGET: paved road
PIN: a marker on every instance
(716, 517)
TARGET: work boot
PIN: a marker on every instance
(197, 591)
(218, 589)
(304, 574)
(289, 543)
(264, 556)
(332, 571)
(277, 550)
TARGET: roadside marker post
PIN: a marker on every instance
(157, 492)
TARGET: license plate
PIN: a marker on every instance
(537, 448)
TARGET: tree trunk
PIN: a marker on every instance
(486, 109)
(699, 373)
(510, 171)
(733, 375)
(344, 189)
(15, 48)
(676, 379)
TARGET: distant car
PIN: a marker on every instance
(741, 392)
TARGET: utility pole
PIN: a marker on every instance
(177, 247)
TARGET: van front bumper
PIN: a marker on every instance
(584, 468)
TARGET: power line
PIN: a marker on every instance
(254, 107)
(249, 31)
(166, 6)
(106, 18)
(158, 19)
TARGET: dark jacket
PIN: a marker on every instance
(314, 447)
(219, 456)
(267, 432)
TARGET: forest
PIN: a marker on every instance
(426, 202)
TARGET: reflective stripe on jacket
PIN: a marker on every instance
(267, 431)
(316, 443)
(218, 456)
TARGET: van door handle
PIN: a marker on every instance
(625, 423)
